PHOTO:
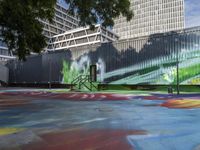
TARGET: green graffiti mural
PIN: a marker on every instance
(65, 72)
(71, 70)
(68, 72)
(159, 70)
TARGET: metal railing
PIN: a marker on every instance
(81, 81)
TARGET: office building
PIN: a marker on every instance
(62, 22)
(151, 16)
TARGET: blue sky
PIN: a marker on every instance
(192, 13)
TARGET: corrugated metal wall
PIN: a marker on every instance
(145, 60)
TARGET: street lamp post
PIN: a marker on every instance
(49, 72)
(177, 69)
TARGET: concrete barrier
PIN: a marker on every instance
(4, 74)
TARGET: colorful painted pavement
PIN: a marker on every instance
(56, 120)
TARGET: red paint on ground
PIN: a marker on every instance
(154, 98)
(85, 140)
(72, 96)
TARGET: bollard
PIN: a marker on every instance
(170, 90)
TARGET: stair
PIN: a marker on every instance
(83, 82)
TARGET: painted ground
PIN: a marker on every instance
(57, 120)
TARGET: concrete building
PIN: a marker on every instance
(4, 53)
(151, 16)
(61, 23)
(82, 36)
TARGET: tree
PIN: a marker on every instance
(92, 11)
(21, 28)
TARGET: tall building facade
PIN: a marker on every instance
(3, 51)
(151, 16)
(62, 22)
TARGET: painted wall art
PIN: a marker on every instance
(147, 61)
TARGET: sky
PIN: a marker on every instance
(192, 13)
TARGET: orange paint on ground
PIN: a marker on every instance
(85, 140)
(6, 102)
(182, 104)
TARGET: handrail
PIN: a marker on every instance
(81, 80)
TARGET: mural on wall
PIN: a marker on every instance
(73, 69)
(144, 61)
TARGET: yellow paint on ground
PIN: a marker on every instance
(185, 103)
(6, 131)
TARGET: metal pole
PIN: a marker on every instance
(177, 72)
(49, 73)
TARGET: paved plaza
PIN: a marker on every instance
(60, 120)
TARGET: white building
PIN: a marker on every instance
(4, 53)
(62, 22)
(82, 36)
(151, 16)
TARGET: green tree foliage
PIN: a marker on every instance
(92, 11)
(20, 25)
(21, 28)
